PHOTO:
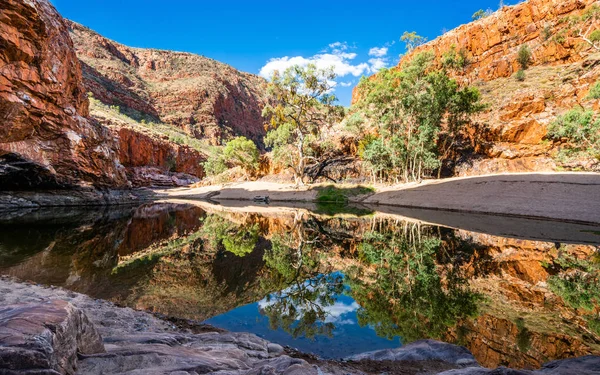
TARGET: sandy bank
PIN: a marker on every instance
(571, 197)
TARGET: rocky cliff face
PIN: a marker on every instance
(511, 135)
(45, 138)
(49, 138)
(205, 98)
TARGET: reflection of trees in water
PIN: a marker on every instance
(238, 239)
(398, 278)
(409, 293)
(577, 282)
(306, 288)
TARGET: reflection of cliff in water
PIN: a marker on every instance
(511, 302)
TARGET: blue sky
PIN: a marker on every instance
(259, 36)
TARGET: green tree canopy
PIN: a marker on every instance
(239, 151)
(412, 40)
(418, 112)
(301, 110)
(242, 152)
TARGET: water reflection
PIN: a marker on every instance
(417, 287)
(331, 285)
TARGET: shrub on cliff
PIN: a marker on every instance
(524, 56)
(520, 75)
(482, 14)
(594, 91)
(453, 60)
(581, 129)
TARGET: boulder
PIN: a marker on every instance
(45, 338)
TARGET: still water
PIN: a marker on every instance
(515, 292)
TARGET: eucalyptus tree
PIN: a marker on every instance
(301, 109)
(417, 111)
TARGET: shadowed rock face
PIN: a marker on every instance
(43, 106)
(151, 161)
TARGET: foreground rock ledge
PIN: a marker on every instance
(54, 331)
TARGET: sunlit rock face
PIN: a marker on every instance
(43, 106)
(205, 98)
(510, 135)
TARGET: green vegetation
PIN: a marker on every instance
(582, 27)
(333, 194)
(547, 33)
(174, 134)
(333, 209)
(306, 289)
(524, 56)
(520, 75)
(408, 296)
(581, 129)
(578, 284)
(523, 336)
(595, 36)
(482, 14)
(408, 108)
(239, 152)
(154, 254)
(215, 164)
(594, 91)
(238, 239)
(456, 61)
(332, 200)
(302, 110)
(412, 40)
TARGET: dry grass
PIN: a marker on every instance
(176, 135)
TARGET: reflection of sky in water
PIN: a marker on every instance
(348, 337)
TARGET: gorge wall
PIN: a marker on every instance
(511, 135)
(203, 97)
(77, 109)
(46, 139)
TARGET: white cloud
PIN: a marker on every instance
(346, 84)
(341, 62)
(378, 52)
(334, 313)
(377, 64)
(337, 310)
(338, 47)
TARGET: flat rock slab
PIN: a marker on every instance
(45, 337)
(587, 365)
(422, 350)
(560, 196)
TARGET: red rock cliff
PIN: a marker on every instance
(45, 138)
(206, 98)
(510, 136)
